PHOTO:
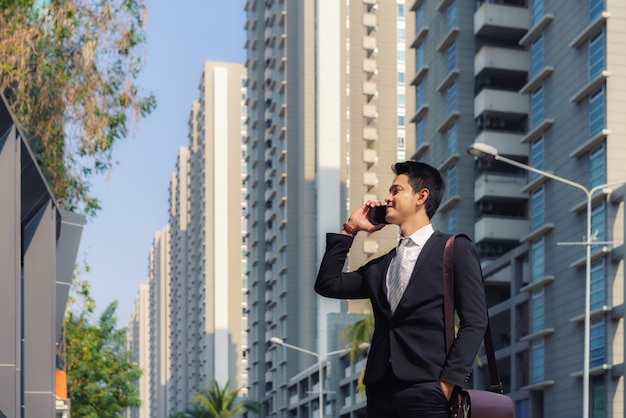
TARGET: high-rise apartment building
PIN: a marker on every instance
(543, 82)
(328, 100)
(182, 361)
(159, 337)
(138, 345)
(207, 310)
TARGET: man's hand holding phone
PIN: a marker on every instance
(377, 215)
(369, 218)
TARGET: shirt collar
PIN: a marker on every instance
(420, 236)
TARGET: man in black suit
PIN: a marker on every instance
(409, 373)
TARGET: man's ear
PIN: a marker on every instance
(422, 195)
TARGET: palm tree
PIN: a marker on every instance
(218, 402)
(356, 335)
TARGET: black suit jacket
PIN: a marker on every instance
(412, 338)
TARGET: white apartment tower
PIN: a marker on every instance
(328, 99)
(159, 282)
(182, 361)
(139, 345)
(207, 309)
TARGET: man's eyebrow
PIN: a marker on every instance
(395, 186)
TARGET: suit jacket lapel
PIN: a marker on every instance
(424, 254)
(383, 279)
(421, 259)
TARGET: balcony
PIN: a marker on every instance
(370, 111)
(370, 246)
(370, 179)
(370, 134)
(369, 42)
(507, 59)
(507, 143)
(500, 102)
(369, 20)
(498, 228)
(499, 186)
(370, 89)
(501, 21)
(370, 66)
(370, 156)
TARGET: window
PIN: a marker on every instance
(597, 296)
(597, 344)
(536, 13)
(451, 182)
(452, 221)
(451, 15)
(597, 166)
(401, 77)
(401, 35)
(597, 396)
(401, 56)
(452, 144)
(537, 156)
(536, 104)
(419, 95)
(598, 223)
(419, 19)
(537, 355)
(537, 310)
(452, 56)
(401, 99)
(597, 55)
(419, 57)
(536, 56)
(537, 208)
(419, 133)
(452, 98)
(537, 262)
(400, 120)
(401, 11)
(596, 7)
(596, 112)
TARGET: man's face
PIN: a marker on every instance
(402, 202)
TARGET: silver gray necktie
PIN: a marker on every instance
(395, 276)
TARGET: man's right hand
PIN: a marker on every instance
(359, 220)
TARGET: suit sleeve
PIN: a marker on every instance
(470, 305)
(331, 281)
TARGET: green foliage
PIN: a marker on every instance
(100, 372)
(217, 402)
(355, 335)
(68, 70)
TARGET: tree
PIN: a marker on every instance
(68, 70)
(100, 372)
(356, 335)
(217, 402)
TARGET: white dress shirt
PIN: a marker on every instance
(411, 250)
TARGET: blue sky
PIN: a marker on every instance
(134, 196)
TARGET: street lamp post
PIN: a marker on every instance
(488, 152)
(280, 341)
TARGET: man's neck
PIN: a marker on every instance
(413, 224)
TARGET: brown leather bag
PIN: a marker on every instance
(471, 403)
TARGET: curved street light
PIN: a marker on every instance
(280, 341)
(490, 153)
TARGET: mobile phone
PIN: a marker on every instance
(377, 215)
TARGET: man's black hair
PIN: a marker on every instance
(423, 176)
